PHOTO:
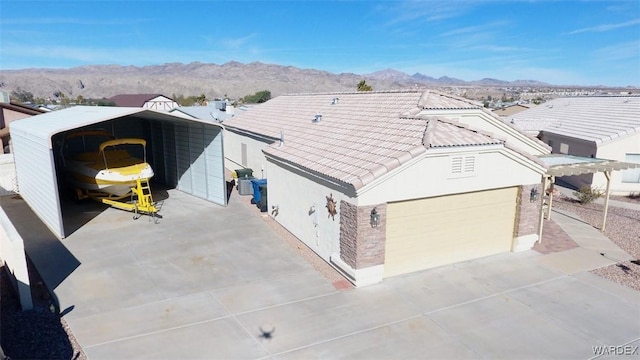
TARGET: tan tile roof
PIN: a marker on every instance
(446, 133)
(593, 118)
(434, 100)
(360, 136)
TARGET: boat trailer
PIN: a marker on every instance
(140, 200)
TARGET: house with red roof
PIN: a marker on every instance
(147, 101)
(380, 184)
(9, 112)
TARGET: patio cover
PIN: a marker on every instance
(559, 165)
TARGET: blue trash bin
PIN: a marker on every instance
(256, 189)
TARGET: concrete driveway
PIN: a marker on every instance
(202, 282)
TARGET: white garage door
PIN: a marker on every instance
(431, 232)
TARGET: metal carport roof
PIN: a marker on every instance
(46, 125)
(36, 166)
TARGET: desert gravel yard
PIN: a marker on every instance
(623, 228)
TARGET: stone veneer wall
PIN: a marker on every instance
(361, 245)
(527, 212)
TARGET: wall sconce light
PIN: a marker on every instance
(533, 196)
(375, 218)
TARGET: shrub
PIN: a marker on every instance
(586, 194)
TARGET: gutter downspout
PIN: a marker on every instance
(541, 217)
(551, 186)
(607, 174)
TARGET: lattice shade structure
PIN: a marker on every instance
(559, 165)
(568, 165)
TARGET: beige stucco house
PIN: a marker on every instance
(603, 127)
(380, 184)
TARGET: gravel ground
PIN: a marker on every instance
(34, 334)
(629, 199)
(623, 228)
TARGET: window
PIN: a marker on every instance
(244, 154)
(462, 166)
(631, 175)
(564, 148)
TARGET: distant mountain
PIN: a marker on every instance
(232, 79)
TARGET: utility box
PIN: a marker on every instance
(245, 187)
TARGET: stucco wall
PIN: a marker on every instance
(13, 256)
(430, 176)
(302, 208)
(8, 179)
(255, 157)
(616, 150)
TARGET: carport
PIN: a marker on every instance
(559, 165)
(186, 154)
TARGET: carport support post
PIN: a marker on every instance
(541, 223)
(607, 174)
(553, 181)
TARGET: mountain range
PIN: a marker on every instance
(232, 80)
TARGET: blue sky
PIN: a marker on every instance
(559, 42)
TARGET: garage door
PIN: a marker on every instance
(431, 232)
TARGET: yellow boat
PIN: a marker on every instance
(111, 172)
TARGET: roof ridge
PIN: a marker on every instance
(513, 126)
(355, 92)
(427, 136)
(423, 100)
(473, 129)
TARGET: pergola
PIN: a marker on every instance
(559, 165)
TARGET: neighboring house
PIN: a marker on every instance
(215, 112)
(605, 127)
(512, 109)
(147, 101)
(385, 183)
(9, 112)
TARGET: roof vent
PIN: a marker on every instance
(334, 101)
(316, 118)
(281, 137)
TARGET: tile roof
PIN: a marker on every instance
(360, 136)
(593, 118)
(434, 100)
(447, 133)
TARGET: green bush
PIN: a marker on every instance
(586, 194)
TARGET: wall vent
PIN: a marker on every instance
(462, 166)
